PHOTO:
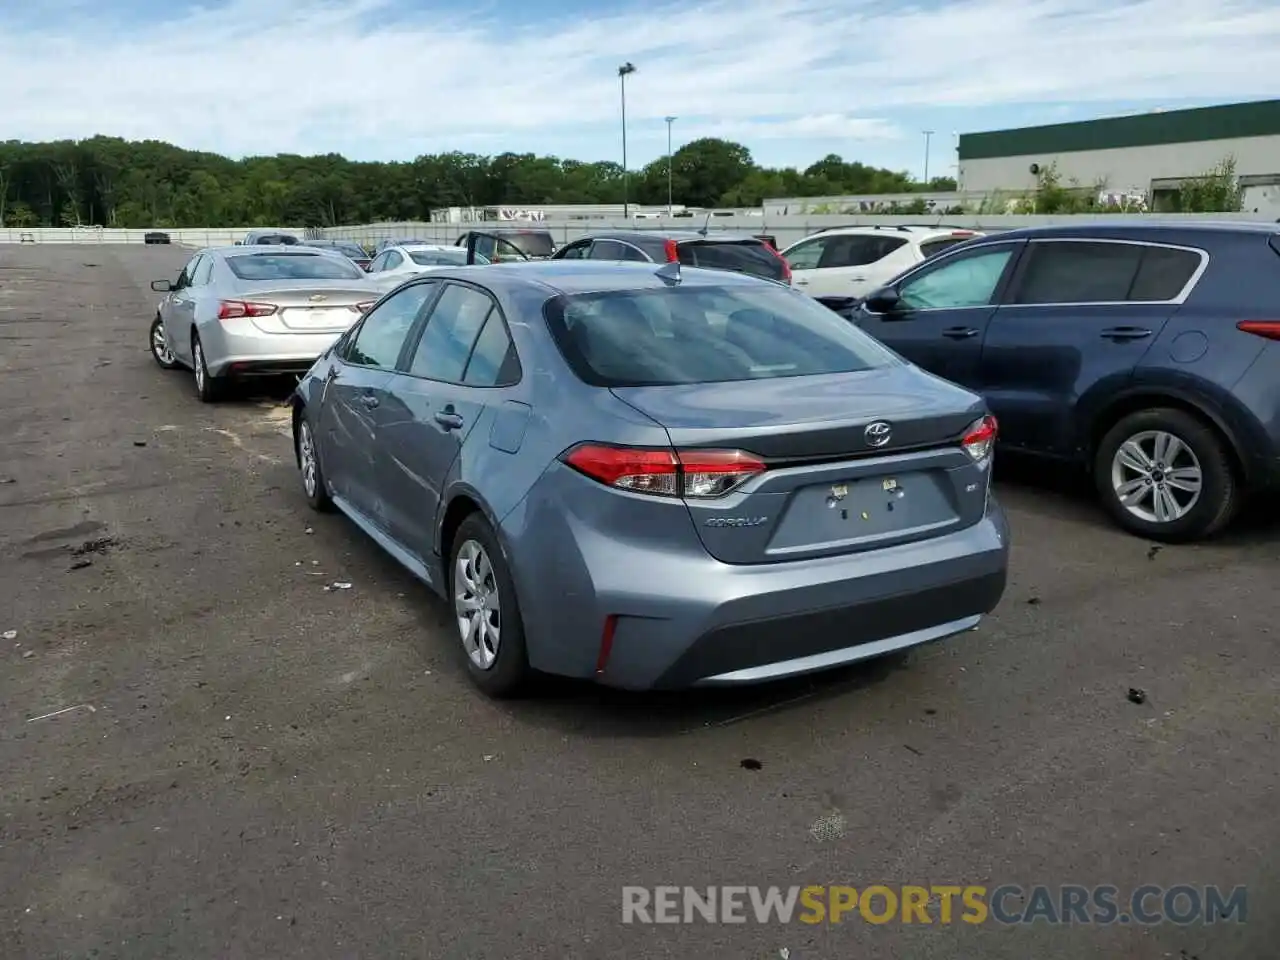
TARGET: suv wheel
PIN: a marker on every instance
(1165, 475)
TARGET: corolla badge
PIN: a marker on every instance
(877, 433)
(736, 521)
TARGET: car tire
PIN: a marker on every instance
(209, 388)
(1161, 453)
(314, 484)
(478, 576)
(160, 352)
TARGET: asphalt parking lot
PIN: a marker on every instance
(255, 767)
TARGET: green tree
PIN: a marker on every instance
(109, 181)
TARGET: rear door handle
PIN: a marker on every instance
(1125, 333)
(369, 400)
(959, 333)
(448, 419)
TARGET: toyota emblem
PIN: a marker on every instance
(878, 433)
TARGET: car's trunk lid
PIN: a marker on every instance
(827, 488)
(313, 306)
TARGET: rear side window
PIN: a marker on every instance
(438, 258)
(1085, 272)
(1163, 273)
(292, 266)
(680, 335)
(752, 258)
(450, 334)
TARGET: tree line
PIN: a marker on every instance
(110, 182)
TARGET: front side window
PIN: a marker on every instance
(680, 335)
(292, 266)
(965, 281)
(450, 334)
(575, 252)
(184, 278)
(382, 334)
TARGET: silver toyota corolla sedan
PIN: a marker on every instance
(244, 311)
(654, 476)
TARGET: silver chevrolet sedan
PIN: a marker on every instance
(245, 311)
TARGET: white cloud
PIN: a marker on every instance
(373, 78)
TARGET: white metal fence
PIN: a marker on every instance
(785, 229)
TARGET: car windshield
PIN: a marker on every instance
(705, 335)
(531, 244)
(439, 258)
(293, 266)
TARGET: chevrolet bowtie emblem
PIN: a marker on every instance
(318, 298)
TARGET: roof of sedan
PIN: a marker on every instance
(589, 276)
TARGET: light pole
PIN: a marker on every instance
(927, 135)
(623, 70)
(670, 121)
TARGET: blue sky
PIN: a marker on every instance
(794, 80)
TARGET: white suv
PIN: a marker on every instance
(853, 261)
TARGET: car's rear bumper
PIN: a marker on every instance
(241, 350)
(603, 609)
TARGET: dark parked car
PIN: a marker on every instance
(616, 472)
(348, 248)
(750, 255)
(507, 244)
(1146, 352)
(155, 236)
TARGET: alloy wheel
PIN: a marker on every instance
(307, 458)
(1156, 476)
(158, 345)
(477, 605)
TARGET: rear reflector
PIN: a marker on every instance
(980, 439)
(233, 309)
(696, 474)
(606, 642)
(1270, 329)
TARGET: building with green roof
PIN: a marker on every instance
(1149, 153)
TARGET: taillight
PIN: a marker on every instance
(786, 267)
(673, 251)
(980, 439)
(1270, 329)
(233, 309)
(696, 474)
(362, 307)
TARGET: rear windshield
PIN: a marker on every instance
(705, 335)
(439, 258)
(293, 266)
(931, 248)
(741, 256)
(531, 244)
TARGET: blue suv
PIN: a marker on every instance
(1145, 352)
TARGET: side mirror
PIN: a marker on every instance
(161, 286)
(884, 300)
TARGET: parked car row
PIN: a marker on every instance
(1142, 353)
(646, 474)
